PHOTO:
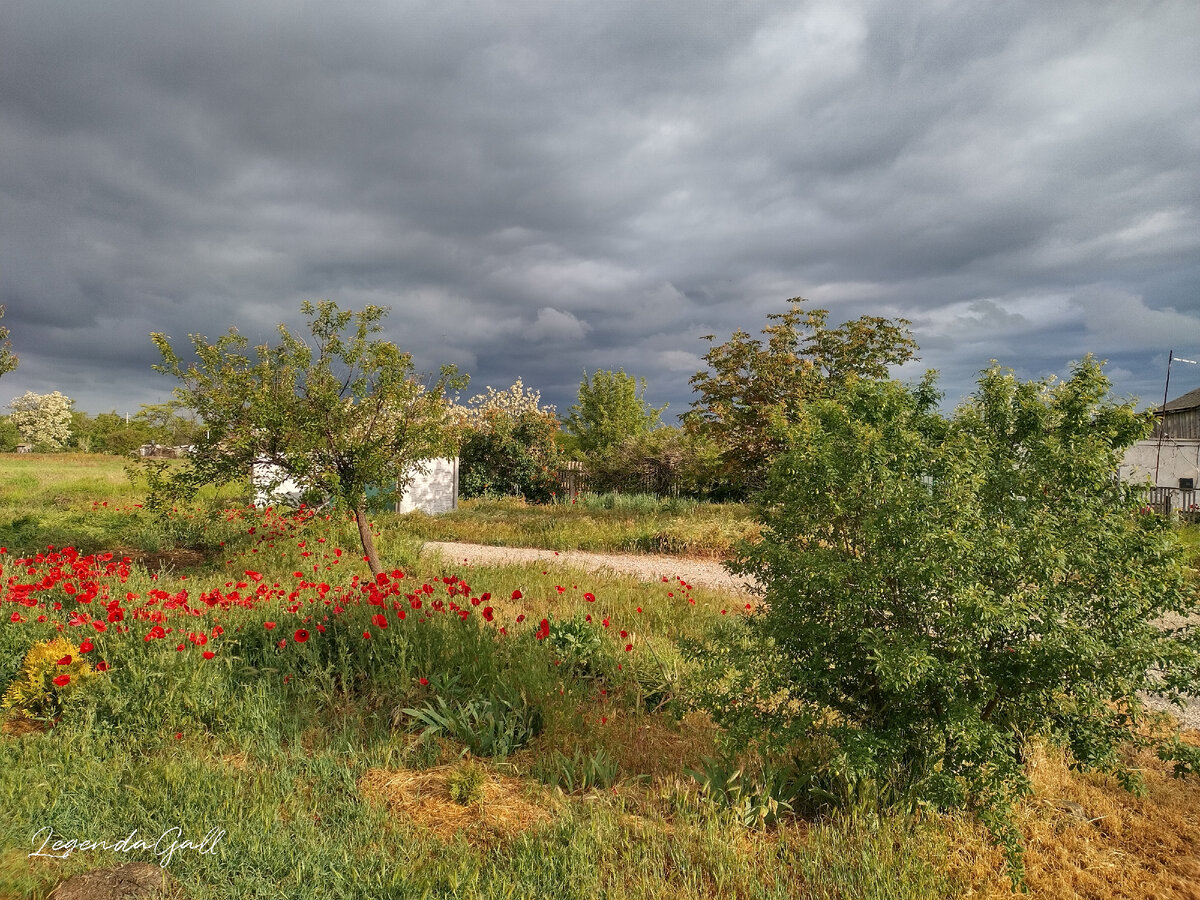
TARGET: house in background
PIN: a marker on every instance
(1169, 460)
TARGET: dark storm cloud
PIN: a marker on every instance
(541, 188)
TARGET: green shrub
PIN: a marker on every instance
(580, 648)
(465, 784)
(938, 592)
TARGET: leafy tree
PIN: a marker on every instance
(665, 461)
(612, 407)
(44, 420)
(110, 433)
(939, 592)
(167, 423)
(8, 359)
(754, 388)
(342, 415)
(508, 445)
(9, 436)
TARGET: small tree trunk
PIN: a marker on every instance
(368, 539)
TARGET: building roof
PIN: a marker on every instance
(1190, 400)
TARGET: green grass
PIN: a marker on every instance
(274, 744)
(615, 523)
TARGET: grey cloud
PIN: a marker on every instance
(540, 187)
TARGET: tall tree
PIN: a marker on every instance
(343, 414)
(8, 359)
(612, 407)
(753, 388)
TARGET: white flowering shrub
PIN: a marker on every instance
(43, 420)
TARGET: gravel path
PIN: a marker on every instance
(641, 566)
(652, 568)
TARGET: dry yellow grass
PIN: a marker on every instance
(508, 806)
(1086, 837)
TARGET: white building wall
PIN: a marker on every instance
(433, 491)
(1180, 458)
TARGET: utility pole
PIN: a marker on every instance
(1162, 426)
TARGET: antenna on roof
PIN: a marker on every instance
(1162, 426)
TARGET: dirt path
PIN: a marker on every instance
(642, 566)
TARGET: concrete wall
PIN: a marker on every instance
(434, 491)
(1180, 458)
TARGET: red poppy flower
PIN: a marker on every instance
(543, 631)
(102, 666)
(487, 614)
(268, 625)
(208, 654)
(379, 620)
(15, 618)
(300, 636)
(62, 680)
(516, 595)
(423, 680)
(86, 647)
(65, 661)
(628, 647)
(589, 597)
(366, 635)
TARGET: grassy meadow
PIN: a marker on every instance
(509, 731)
(605, 523)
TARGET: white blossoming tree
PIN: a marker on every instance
(507, 444)
(43, 420)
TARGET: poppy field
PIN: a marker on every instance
(235, 680)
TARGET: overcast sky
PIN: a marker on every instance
(540, 188)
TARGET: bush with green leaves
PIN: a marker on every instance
(664, 462)
(580, 649)
(938, 592)
(507, 445)
(753, 388)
